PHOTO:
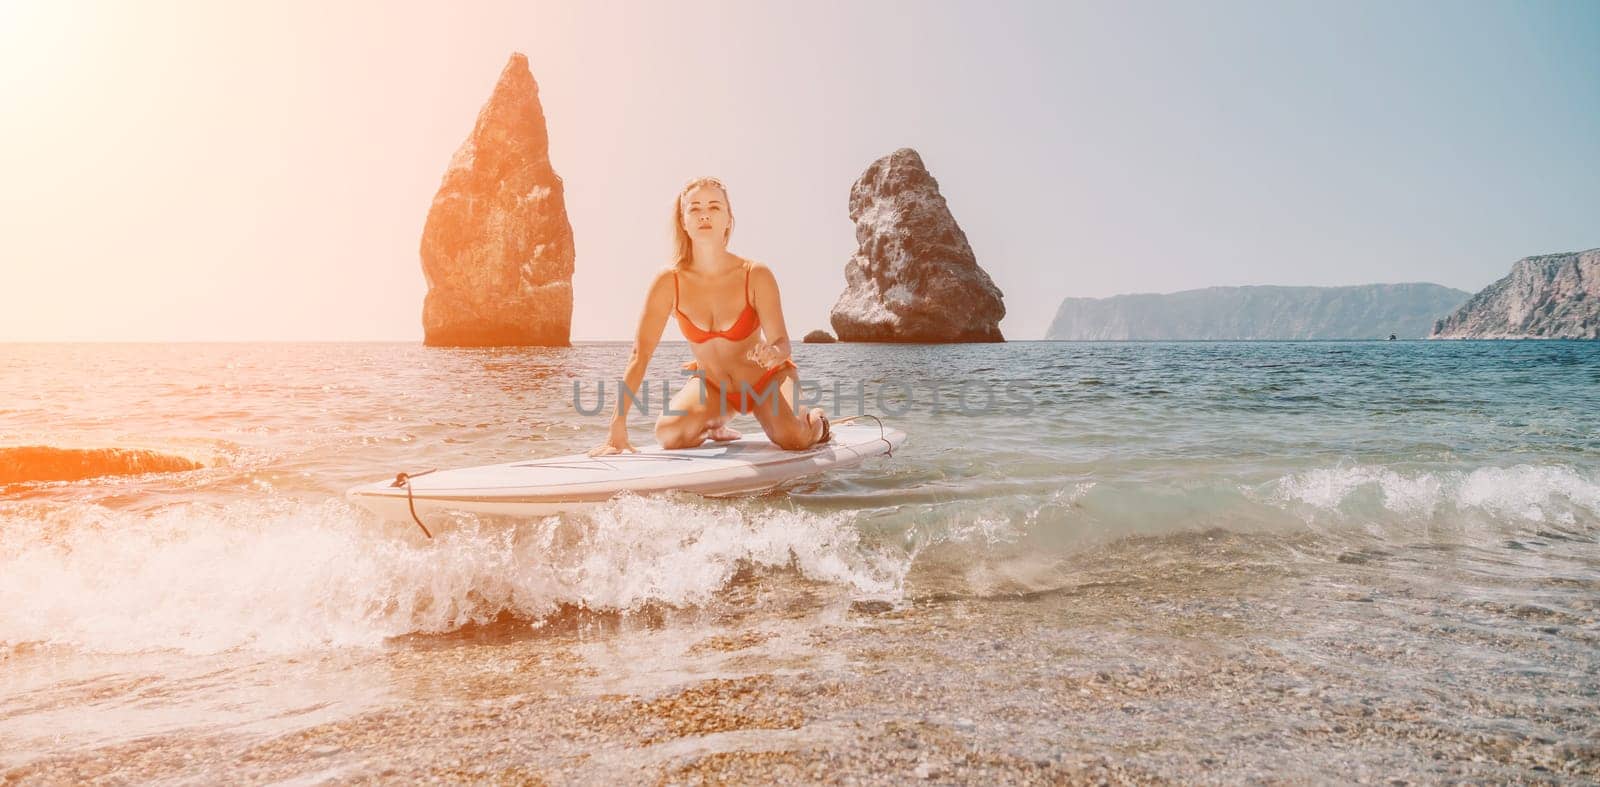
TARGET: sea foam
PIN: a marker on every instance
(1512, 496)
(285, 575)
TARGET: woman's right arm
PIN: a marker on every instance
(652, 321)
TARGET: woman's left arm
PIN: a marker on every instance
(769, 307)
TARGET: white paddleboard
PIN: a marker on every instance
(539, 487)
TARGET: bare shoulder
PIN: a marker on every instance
(662, 283)
(664, 277)
(760, 274)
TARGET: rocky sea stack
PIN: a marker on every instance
(1551, 296)
(819, 336)
(497, 247)
(914, 277)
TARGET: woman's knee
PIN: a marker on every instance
(676, 431)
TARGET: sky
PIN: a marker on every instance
(198, 171)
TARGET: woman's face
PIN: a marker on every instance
(705, 213)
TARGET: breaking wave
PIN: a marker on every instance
(285, 576)
(21, 464)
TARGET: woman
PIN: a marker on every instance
(724, 304)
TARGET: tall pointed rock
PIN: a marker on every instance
(913, 277)
(497, 247)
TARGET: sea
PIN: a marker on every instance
(1090, 561)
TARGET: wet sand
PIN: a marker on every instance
(1225, 666)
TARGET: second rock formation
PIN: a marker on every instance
(914, 277)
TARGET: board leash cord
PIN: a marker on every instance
(404, 479)
(881, 435)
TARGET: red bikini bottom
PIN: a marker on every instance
(739, 401)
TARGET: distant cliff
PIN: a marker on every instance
(1367, 311)
(1552, 296)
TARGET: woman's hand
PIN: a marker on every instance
(616, 442)
(766, 355)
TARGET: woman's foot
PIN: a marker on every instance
(722, 433)
(826, 434)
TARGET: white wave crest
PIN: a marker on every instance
(1521, 494)
(286, 576)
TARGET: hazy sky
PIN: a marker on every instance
(226, 171)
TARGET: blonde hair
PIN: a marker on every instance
(682, 248)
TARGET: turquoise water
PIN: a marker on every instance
(1354, 467)
(1083, 443)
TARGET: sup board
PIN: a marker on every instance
(539, 487)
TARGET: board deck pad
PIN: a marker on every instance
(536, 487)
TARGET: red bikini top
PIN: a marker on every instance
(741, 328)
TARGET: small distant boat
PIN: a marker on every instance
(1391, 337)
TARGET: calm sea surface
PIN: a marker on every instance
(1379, 557)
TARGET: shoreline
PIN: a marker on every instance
(1212, 672)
